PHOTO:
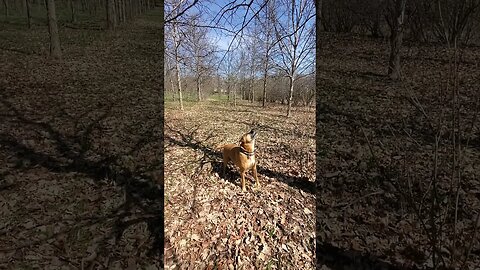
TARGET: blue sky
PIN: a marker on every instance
(210, 10)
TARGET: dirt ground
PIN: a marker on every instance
(209, 222)
(80, 148)
(376, 142)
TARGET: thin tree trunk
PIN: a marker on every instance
(290, 95)
(22, 7)
(228, 91)
(124, 16)
(396, 38)
(115, 19)
(252, 91)
(198, 72)
(265, 85)
(72, 11)
(179, 84)
(110, 15)
(115, 7)
(130, 9)
(265, 74)
(199, 96)
(55, 50)
(119, 11)
(5, 4)
(394, 60)
(173, 86)
(177, 66)
(29, 19)
(234, 96)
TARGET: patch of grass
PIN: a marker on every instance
(186, 97)
(218, 97)
(170, 104)
(271, 231)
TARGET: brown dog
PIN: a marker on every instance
(243, 156)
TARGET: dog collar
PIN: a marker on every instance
(243, 151)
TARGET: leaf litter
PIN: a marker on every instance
(367, 122)
(209, 222)
(80, 150)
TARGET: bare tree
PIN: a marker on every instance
(200, 52)
(295, 41)
(395, 18)
(337, 15)
(176, 40)
(453, 19)
(178, 8)
(55, 50)
(173, 8)
(253, 55)
(268, 45)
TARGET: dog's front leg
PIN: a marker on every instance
(257, 183)
(242, 177)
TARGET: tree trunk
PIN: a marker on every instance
(115, 7)
(396, 21)
(5, 4)
(55, 50)
(177, 65)
(119, 11)
(228, 91)
(234, 96)
(199, 97)
(29, 19)
(124, 15)
(72, 11)
(173, 87)
(110, 15)
(394, 60)
(290, 96)
(179, 83)
(264, 99)
(22, 7)
(253, 92)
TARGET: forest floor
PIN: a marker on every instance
(377, 154)
(209, 222)
(80, 147)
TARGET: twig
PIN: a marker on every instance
(343, 205)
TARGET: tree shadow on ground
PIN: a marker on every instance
(215, 159)
(74, 154)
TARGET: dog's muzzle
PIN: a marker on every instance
(253, 133)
